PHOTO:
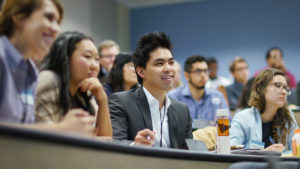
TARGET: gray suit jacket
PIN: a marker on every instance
(130, 113)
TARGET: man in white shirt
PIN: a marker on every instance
(147, 115)
(215, 81)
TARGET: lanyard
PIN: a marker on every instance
(161, 123)
(25, 101)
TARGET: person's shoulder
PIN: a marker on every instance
(176, 102)
(48, 78)
(123, 95)
(178, 105)
(48, 74)
(289, 73)
(229, 87)
(176, 92)
(213, 92)
(246, 113)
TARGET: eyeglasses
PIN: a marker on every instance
(280, 86)
(108, 56)
(129, 66)
(241, 68)
(199, 71)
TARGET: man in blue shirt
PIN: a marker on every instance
(239, 70)
(202, 102)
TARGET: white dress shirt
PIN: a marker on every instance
(215, 83)
(158, 117)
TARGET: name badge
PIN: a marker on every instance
(257, 144)
(27, 97)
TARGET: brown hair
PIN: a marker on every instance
(257, 99)
(234, 62)
(23, 8)
(107, 44)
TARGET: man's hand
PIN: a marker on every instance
(145, 137)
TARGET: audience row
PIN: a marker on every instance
(66, 84)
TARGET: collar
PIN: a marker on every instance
(256, 113)
(152, 100)
(15, 58)
(237, 84)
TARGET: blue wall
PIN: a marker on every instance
(226, 29)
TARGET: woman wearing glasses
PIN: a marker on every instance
(268, 123)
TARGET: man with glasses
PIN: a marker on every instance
(108, 50)
(202, 102)
(240, 72)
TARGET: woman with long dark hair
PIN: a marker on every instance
(68, 80)
(28, 28)
(269, 120)
(122, 76)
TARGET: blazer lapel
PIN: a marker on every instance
(172, 122)
(143, 105)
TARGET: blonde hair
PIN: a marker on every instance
(238, 59)
(107, 44)
(23, 8)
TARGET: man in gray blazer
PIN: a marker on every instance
(147, 115)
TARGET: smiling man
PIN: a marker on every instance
(147, 115)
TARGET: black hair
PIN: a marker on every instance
(211, 60)
(147, 44)
(271, 49)
(191, 60)
(115, 77)
(58, 60)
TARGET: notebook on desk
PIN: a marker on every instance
(196, 145)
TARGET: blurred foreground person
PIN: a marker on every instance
(27, 31)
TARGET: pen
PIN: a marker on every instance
(271, 140)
